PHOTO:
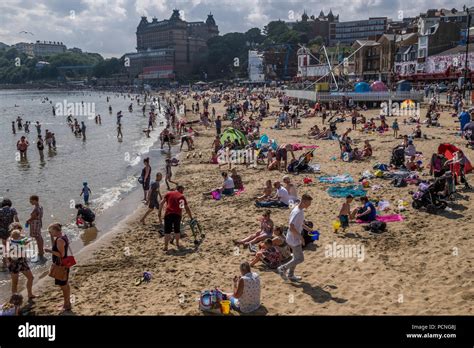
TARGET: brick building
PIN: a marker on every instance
(171, 47)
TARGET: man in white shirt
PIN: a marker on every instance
(295, 240)
(280, 199)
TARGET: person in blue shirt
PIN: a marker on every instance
(367, 213)
(85, 192)
(464, 118)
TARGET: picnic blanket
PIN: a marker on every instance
(385, 218)
(337, 179)
(344, 191)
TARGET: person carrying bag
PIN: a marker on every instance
(61, 262)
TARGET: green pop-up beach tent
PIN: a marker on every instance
(232, 134)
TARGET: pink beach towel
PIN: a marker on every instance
(385, 218)
(297, 147)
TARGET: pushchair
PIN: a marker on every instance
(469, 136)
(302, 163)
(428, 195)
(398, 157)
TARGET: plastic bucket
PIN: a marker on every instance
(225, 307)
(314, 235)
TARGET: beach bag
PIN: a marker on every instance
(209, 300)
(58, 272)
(69, 260)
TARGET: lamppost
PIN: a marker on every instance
(467, 50)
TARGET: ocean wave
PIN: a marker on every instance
(112, 196)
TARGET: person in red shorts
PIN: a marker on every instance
(175, 202)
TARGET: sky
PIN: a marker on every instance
(108, 26)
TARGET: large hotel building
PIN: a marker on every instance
(170, 48)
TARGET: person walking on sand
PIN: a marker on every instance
(36, 222)
(175, 202)
(60, 244)
(295, 239)
(145, 177)
(152, 199)
(169, 174)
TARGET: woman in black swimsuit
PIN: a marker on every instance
(60, 244)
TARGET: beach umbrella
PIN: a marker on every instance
(233, 134)
(362, 87)
(407, 104)
(378, 86)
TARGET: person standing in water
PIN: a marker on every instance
(83, 130)
(38, 127)
(22, 146)
(13, 128)
(27, 127)
(85, 193)
(40, 146)
(119, 131)
(145, 177)
(35, 222)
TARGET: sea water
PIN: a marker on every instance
(110, 167)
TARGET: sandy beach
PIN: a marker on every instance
(422, 265)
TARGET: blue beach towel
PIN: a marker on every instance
(344, 191)
(337, 179)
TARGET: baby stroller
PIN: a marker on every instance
(469, 136)
(398, 157)
(302, 163)
(428, 196)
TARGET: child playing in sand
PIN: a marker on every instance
(12, 307)
(85, 192)
(345, 212)
(267, 192)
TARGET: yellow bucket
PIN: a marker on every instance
(225, 306)
(336, 225)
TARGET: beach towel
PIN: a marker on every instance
(344, 191)
(385, 218)
(297, 147)
(337, 179)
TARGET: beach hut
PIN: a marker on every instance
(408, 104)
(362, 87)
(378, 86)
(233, 134)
